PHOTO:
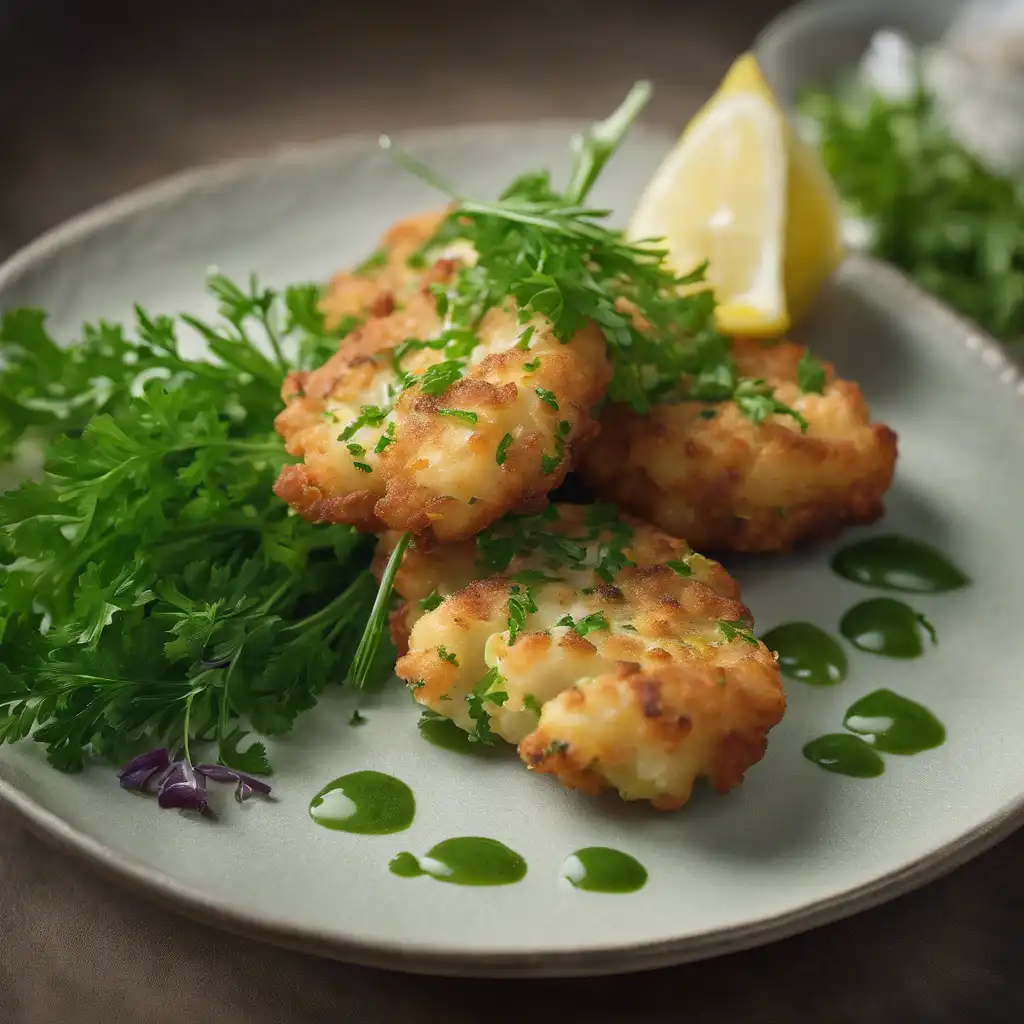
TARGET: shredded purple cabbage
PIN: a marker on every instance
(179, 783)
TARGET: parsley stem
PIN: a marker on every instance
(366, 652)
(593, 150)
(275, 342)
(185, 725)
(417, 167)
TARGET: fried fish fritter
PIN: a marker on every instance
(639, 677)
(392, 436)
(704, 471)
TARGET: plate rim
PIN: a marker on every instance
(422, 958)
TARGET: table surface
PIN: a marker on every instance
(99, 97)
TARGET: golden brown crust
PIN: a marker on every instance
(652, 695)
(727, 483)
(417, 467)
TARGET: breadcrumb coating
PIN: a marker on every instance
(642, 683)
(704, 471)
(380, 452)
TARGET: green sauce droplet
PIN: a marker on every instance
(898, 563)
(368, 803)
(898, 725)
(444, 733)
(467, 860)
(807, 653)
(601, 869)
(886, 626)
(405, 865)
(845, 755)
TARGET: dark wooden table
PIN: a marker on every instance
(97, 97)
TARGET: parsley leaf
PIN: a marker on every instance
(756, 400)
(445, 655)
(530, 703)
(558, 259)
(501, 454)
(520, 605)
(484, 692)
(595, 620)
(460, 414)
(436, 379)
(810, 374)
(431, 601)
(680, 567)
(547, 397)
(377, 259)
(736, 629)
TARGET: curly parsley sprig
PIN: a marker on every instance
(153, 590)
(557, 258)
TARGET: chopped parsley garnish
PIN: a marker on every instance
(484, 692)
(445, 655)
(436, 379)
(530, 703)
(708, 414)
(547, 397)
(736, 629)
(611, 555)
(555, 747)
(549, 463)
(355, 449)
(357, 718)
(363, 467)
(756, 400)
(369, 416)
(502, 451)
(520, 605)
(377, 259)
(431, 601)
(459, 414)
(564, 426)
(523, 343)
(532, 535)
(560, 260)
(516, 534)
(680, 567)
(328, 416)
(385, 439)
(810, 374)
(595, 620)
(532, 366)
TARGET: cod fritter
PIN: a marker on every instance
(389, 440)
(706, 472)
(639, 677)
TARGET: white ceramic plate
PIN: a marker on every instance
(793, 847)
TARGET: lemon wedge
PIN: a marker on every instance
(740, 190)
